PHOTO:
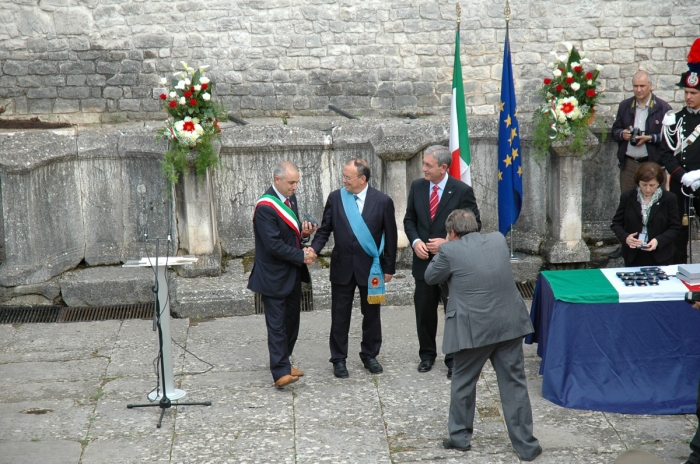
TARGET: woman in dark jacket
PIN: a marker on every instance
(647, 219)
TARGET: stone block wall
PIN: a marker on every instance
(86, 61)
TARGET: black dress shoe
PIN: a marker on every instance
(447, 444)
(449, 373)
(425, 366)
(373, 366)
(616, 253)
(340, 371)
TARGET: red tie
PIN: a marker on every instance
(434, 202)
(286, 202)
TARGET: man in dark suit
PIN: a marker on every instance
(279, 266)
(430, 201)
(486, 319)
(350, 263)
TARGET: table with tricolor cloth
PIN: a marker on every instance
(608, 347)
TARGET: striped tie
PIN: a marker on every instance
(286, 202)
(434, 202)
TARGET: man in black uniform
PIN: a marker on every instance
(680, 150)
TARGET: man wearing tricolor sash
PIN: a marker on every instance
(279, 268)
(362, 221)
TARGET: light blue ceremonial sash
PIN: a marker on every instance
(376, 292)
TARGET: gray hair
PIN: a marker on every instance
(441, 154)
(462, 222)
(362, 167)
(282, 169)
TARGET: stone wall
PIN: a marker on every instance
(101, 60)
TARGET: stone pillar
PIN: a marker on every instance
(396, 186)
(565, 175)
(197, 229)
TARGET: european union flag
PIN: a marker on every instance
(510, 169)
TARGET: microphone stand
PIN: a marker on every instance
(691, 215)
(164, 402)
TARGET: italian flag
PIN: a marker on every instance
(459, 131)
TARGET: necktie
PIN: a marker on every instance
(286, 202)
(434, 202)
(357, 203)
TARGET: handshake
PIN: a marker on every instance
(309, 255)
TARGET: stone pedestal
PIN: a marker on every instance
(198, 235)
(565, 174)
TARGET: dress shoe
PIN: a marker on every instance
(373, 366)
(296, 372)
(425, 366)
(447, 444)
(449, 373)
(340, 371)
(616, 253)
(285, 380)
(539, 451)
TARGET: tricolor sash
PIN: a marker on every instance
(282, 210)
(376, 291)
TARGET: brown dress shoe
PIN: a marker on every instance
(296, 372)
(285, 380)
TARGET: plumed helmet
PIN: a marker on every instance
(691, 78)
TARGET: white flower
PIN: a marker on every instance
(589, 82)
(173, 95)
(557, 72)
(184, 65)
(203, 67)
(179, 74)
(569, 74)
(585, 60)
(206, 97)
(182, 100)
(187, 81)
(553, 53)
(203, 80)
(195, 120)
(599, 67)
(568, 46)
(163, 81)
(197, 88)
(550, 65)
(583, 54)
(575, 64)
(575, 86)
(180, 85)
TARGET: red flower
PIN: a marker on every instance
(205, 86)
(561, 69)
(559, 88)
(192, 88)
(590, 93)
(578, 69)
(569, 80)
(193, 102)
(173, 104)
(589, 75)
(187, 94)
(547, 81)
(567, 107)
(163, 96)
(188, 126)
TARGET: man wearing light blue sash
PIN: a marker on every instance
(362, 221)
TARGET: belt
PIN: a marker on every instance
(638, 160)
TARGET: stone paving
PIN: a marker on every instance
(65, 388)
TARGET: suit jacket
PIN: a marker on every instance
(485, 306)
(663, 225)
(348, 257)
(417, 223)
(278, 256)
(625, 119)
(689, 159)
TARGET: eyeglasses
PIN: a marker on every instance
(349, 177)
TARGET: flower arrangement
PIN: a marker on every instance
(570, 97)
(193, 123)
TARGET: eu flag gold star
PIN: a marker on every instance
(501, 106)
(500, 175)
(507, 121)
(515, 153)
(508, 161)
(516, 112)
(513, 134)
(520, 171)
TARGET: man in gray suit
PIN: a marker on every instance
(485, 319)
